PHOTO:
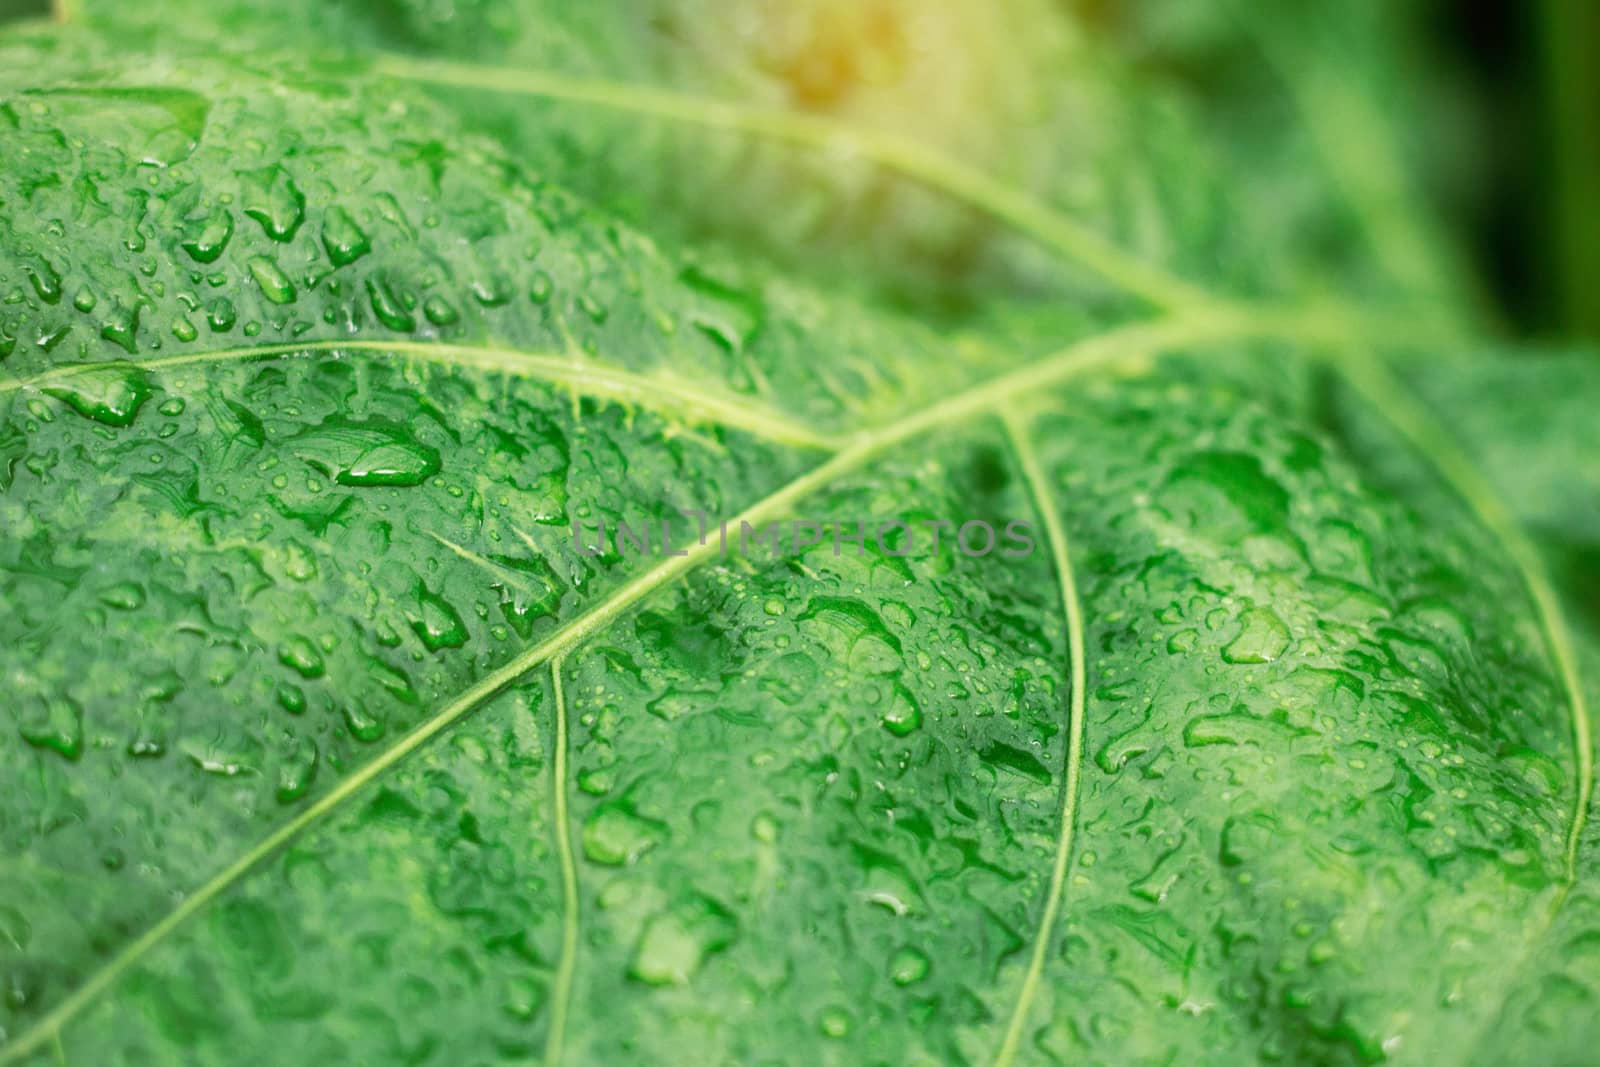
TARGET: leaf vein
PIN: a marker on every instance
(660, 392)
(561, 995)
(1049, 511)
(1015, 208)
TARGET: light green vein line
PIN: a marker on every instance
(505, 573)
(561, 996)
(1125, 344)
(653, 392)
(1049, 510)
(1387, 395)
(918, 162)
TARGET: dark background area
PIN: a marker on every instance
(1527, 75)
(1530, 73)
(12, 9)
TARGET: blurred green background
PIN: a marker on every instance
(1515, 99)
(1512, 99)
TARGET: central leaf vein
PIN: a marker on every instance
(1049, 512)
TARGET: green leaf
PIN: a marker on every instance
(328, 741)
(652, 110)
(1529, 421)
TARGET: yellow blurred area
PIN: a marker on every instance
(962, 74)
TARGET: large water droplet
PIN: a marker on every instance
(272, 199)
(345, 241)
(275, 285)
(206, 239)
(437, 623)
(366, 453)
(1262, 640)
(390, 307)
(111, 393)
(616, 837)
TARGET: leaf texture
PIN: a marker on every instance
(327, 742)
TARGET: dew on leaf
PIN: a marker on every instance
(343, 239)
(903, 715)
(908, 966)
(110, 393)
(206, 239)
(363, 725)
(835, 1022)
(1262, 639)
(221, 315)
(275, 285)
(272, 199)
(675, 943)
(297, 770)
(122, 328)
(440, 311)
(55, 724)
(46, 282)
(370, 452)
(127, 596)
(300, 654)
(436, 622)
(389, 306)
(616, 837)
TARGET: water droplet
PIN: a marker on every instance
(1017, 760)
(297, 771)
(122, 327)
(344, 240)
(46, 282)
(221, 315)
(124, 595)
(835, 1022)
(364, 726)
(300, 654)
(390, 308)
(1263, 639)
(616, 837)
(55, 724)
(492, 292)
(272, 199)
(206, 239)
(111, 393)
(373, 452)
(1183, 641)
(908, 966)
(523, 998)
(440, 311)
(903, 715)
(1240, 727)
(437, 623)
(275, 285)
(675, 944)
(299, 563)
